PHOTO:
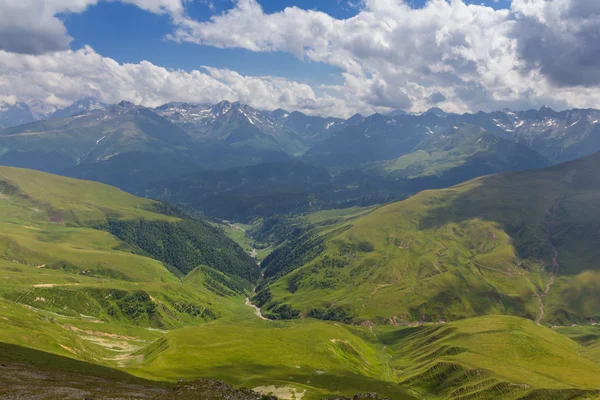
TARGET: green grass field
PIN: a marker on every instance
(74, 293)
(493, 357)
(239, 233)
(479, 248)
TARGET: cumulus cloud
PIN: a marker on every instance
(60, 78)
(31, 26)
(560, 38)
(461, 57)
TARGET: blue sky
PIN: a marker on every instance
(129, 34)
(376, 57)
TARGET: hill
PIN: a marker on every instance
(73, 243)
(439, 160)
(492, 357)
(90, 138)
(115, 291)
(521, 243)
(464, 150)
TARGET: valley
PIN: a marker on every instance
(104, 301)
(300, 200)
(449, 263)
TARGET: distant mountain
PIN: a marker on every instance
(92, 138)
(15, 114)
(376, 138)
(310, 128)
(246, 192)
(82, 106)
(558, 136)
(397, 113)
(440, 160)
(23, 113)
(234, 124)
(438, 112)
(464, 149)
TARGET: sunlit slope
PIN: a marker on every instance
(314, 358)
(494, 357)
(38, 196)
(488, 246)
(74, 291)
(68, 286)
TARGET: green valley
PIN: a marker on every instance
(87, 276)
(522, 244)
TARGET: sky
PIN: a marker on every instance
(325, 57)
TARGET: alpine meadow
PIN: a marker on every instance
(300, 200)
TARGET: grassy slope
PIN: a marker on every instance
(74, 199)
(464, 146)
(475, 249)
(495, 357)
(65, 316)
(74, 312)
(314, 357)
(56, 272)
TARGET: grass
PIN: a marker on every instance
(71, 294)
(478, 248)
(586, 335)
(239, 233)
(314, 357)
(71, 200)
(491, 357)
(328, 217)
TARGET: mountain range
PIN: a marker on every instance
(399, 249)
(359, 161)
(21, 113)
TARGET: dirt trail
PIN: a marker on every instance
(555, 265)
(384, 285)
(256, 309)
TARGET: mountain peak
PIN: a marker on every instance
(280, 113)
(15, 114)
(397, 113)
(223, 107)
(125, 103)
(355, 119)
(438, 112)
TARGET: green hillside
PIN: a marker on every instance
(122, 308)
(98, 136)
(522, 244)
(460, 150)
(493, 357)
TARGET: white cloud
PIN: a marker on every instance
(560, 38)
(395, 56)
(60, 78)
(31, 26)
(449, 54)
